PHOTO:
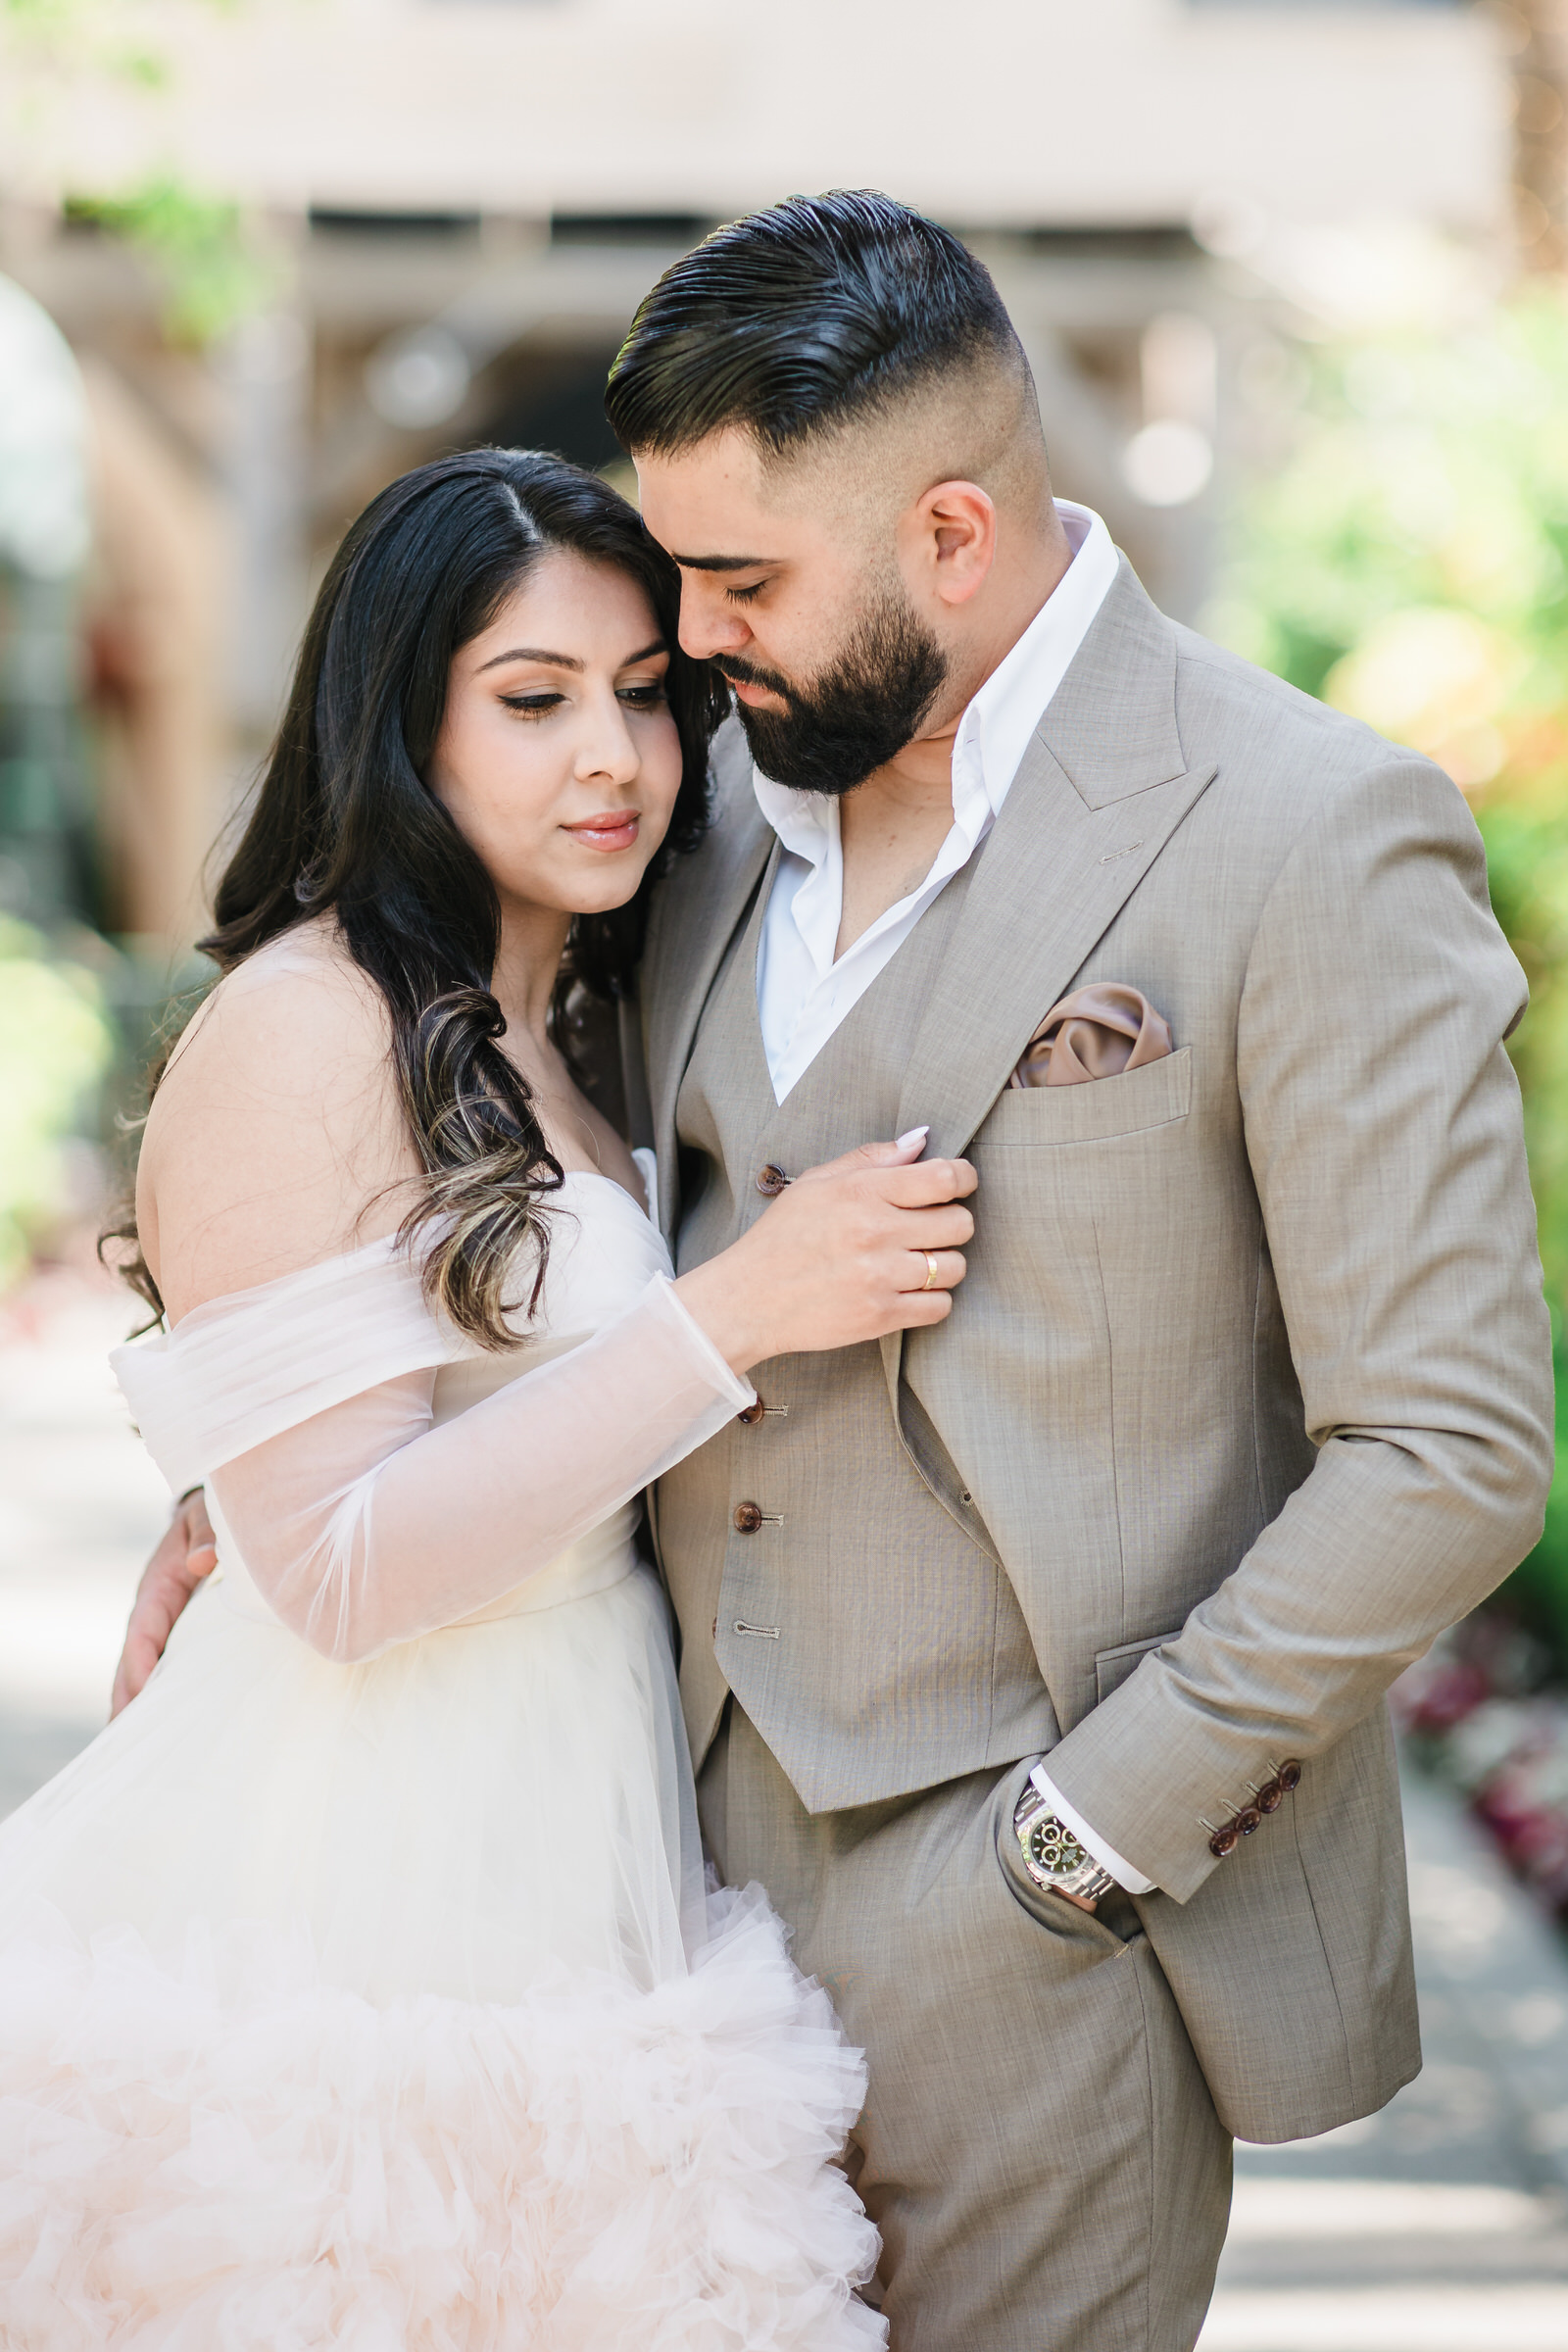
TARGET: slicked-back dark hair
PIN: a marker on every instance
(798, 319)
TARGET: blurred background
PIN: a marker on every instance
(1294, 280)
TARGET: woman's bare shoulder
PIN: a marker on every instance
(274, 1139)
(305, 976)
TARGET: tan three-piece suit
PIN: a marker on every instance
(1246, 1397)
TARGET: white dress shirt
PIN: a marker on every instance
(802, 994)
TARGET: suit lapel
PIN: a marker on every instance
(1102, 788)
(694, 919)
(1054, 877)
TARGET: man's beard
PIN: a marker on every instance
(857, 716)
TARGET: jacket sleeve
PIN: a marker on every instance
(1383, 1126)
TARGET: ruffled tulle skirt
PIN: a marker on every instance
(380, 2008)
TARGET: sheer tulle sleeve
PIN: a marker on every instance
(361, 1521)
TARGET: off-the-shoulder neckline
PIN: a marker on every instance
(385, 1245)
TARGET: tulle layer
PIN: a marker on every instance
(457, 1816)
(232, 2155)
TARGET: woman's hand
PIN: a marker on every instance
(868, 1243)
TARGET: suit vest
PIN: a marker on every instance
(829, 1570)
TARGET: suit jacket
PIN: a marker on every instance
(1250, 1381)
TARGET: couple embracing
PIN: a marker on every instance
(996, 1168)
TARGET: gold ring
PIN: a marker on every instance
(930, 1271)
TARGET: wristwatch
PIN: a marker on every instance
(1052, 1855)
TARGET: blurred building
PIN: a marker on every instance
(459, 203)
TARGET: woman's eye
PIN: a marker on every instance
(533, 706)
(644, 698)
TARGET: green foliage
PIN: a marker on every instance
(52, 54)
(212, 271)
(1409, 563)
(55, 1046)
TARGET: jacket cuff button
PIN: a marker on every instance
(1289, 1774)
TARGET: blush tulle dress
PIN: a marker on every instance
(359, 1985)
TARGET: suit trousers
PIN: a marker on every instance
(1039, 2148)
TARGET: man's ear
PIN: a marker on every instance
(951, 537)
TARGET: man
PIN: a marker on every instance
(1035, 1664)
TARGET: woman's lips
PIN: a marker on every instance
(614, 829)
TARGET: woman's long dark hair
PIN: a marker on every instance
(344, 823)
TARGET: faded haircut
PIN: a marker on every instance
(801, 320)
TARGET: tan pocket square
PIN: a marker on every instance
(1098, 1032)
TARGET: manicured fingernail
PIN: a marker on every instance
(917, 1135)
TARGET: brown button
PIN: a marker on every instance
(771, 1181)
(716, 1629)
(748, 1518)
(752, 1413)
(1247, 1820)
(1225, 1842)
(1270, 1798)
(1289, 1774)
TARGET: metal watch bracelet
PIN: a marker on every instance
(1052, 1856)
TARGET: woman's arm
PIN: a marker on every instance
(366, 1526)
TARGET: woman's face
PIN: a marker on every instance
(558, 758)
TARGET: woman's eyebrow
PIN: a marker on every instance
(532, 652)
(536, 652)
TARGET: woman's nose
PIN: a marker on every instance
(609, 749)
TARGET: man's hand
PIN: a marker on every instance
(187, 1554)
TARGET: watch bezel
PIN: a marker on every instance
(1084, 1878)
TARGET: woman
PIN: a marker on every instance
(359, 1986)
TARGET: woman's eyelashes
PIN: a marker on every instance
(646, 695)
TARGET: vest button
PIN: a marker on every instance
(771, 1181)
(748, 1518)
(753, 1412)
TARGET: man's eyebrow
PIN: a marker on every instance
(721, 562)
(537, 652)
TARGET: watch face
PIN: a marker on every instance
(1053, 1848)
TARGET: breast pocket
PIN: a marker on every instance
(1157, 1096)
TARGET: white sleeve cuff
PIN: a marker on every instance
(1105, 1856)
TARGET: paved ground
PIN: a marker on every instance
(80, 1506)
(1440, 2225)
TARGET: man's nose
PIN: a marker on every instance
(708, 626)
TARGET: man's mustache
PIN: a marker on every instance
(744, 674)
